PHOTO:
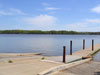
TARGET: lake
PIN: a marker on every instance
(46, 44)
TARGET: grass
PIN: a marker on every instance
(95, 53)
(42, 58)
(75, 60)
(10, 61)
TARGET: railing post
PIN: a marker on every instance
(64, 54)
(83, 44)
(92, 45)
(71, 47)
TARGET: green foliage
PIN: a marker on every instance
(10, 61)
(42, 58)
(46, 32)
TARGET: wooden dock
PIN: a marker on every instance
(75, 56)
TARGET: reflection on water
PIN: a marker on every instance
(97, 57)
(46, 44)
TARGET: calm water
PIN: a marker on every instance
(46, 44)
(97, 57)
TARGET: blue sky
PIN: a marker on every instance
(77, 15)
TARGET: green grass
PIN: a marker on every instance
(95, 53)
(42, 58)
(10, 61)
(75, 60)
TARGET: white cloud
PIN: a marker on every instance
(96, 9)
(3, 13)
(42, 20)
(86, 25)
(48, 7)
(51, 8)
(17, 11)
(11, 11)
(76, 26)
(93, 20)
(45, 4)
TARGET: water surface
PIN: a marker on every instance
(46, 44)
(97, 57)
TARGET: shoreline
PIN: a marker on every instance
(35, 63)
(49, 34)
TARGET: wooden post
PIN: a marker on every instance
(64, 54)
(83, 44)
(92, 45)
(71, 47)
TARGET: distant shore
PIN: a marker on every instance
(65, 32)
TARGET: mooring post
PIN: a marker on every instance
(64, 54)
(71, 47)
(83, 44)
(92, 45)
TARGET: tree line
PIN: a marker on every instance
(46, 32)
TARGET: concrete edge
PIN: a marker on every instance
(62, 67)
(52, 61)
(66, 66)
(61, 62)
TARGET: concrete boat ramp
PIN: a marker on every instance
(71, 60)
(58, 59)
(91, 68)
(34, 64)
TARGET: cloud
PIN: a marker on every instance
(17, 11)
(76, 26)
(96, 9)
(11, 12)
(51, 8)
(93, 20)
(3, 13)
(86, 25)
(45, 4)
(48, 7)
(42, 20)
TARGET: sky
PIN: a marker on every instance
(75, 15)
